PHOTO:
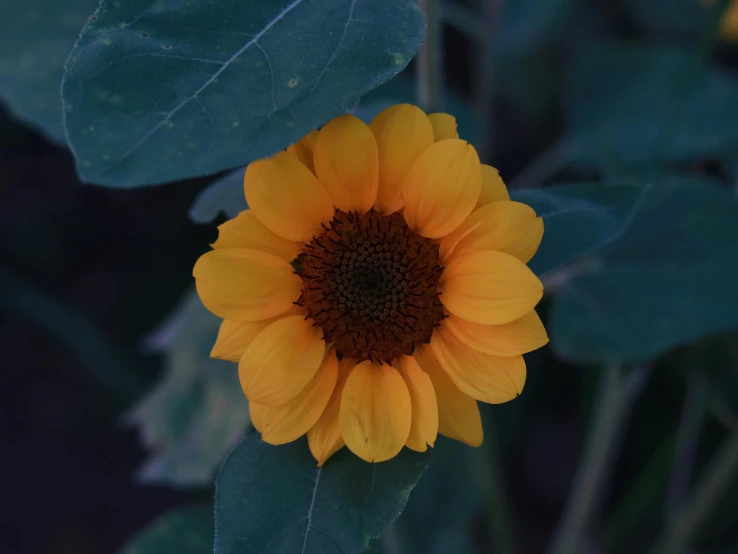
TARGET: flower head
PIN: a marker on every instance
(376, 289)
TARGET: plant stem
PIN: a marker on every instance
(687, 438)
(713, 483)
(503, 538)
(430, 59)
(604, 433)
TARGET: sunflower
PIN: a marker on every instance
(376, 289)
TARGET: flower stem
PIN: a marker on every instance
(615, 397)
(713, 483)
(430, 59)
(687, 438)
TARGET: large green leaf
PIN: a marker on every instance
(36, 39)
(197, 412)
(578, 219)
(182, 531)
(160, 90)
(274, 499)
(437, 519)
(670, 279)
(631, 104)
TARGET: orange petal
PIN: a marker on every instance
(303, 150)
(235, 336)
(286, 197)
(324, 438)
(491, 379)
(509, 227)
(347, 163)
(245, 231)
(281, 361)
(493, 187)
(444, 126)
(288, 422)
(520, 336)
(245, 285)
(490, 288)
(424, 427)
(402, 133)
(442, 188)
(376, 412)
(458, 414)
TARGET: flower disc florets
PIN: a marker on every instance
(371, 284)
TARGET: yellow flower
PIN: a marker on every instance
(410, 298)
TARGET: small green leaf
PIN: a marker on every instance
(197, 412)
(271, 499)
(669, 280)
(182, 531)
(34, 44)
(222, 195)
(578, 219)
(632, 104)
(160, 90)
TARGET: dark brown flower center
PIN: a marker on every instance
(371, 284)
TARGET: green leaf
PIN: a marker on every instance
(222, 195)
(186, 530)
(34, 44)
(631, 104)
(449, 483)
(669, 280)
(197, 412)
(160, 90)
(578, 219)
(271, 499)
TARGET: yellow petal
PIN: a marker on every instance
(442, 188)
(458, 414)
(444, 126)
(402, 133)
(286, 197)
(509, 227)
(509, 339)
(288, 422)
(245, 231)
(303, 150)
(235, 336)
(424, 427)
(245, 285)
(375, 412)
(491, 379)
(490, 288)
(281, 361)
(347, 163)
(493, 187)
(324, 438)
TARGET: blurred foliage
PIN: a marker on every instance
(197, 412)
(187, 530)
